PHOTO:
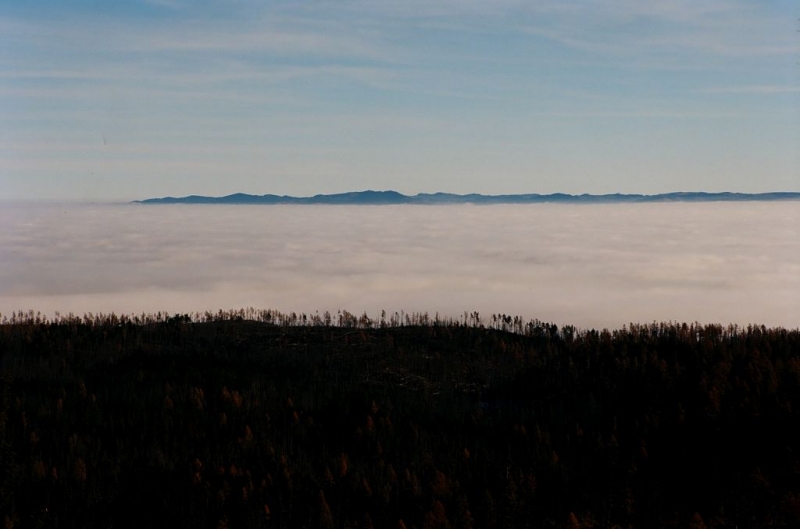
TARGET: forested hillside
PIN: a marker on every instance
(260, 419)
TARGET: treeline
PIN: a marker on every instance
(254, 418)
(342, 318)
(345, 319)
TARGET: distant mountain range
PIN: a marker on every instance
(393, 197)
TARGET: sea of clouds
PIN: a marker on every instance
(587, 265)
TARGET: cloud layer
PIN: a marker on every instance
(593, 266)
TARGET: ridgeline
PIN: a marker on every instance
(393, 197)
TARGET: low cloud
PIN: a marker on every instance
(593, 266)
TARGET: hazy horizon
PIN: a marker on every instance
(75, 201)
(585, 265)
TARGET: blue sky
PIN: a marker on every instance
(117, 101)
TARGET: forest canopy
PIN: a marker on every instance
(255, 418)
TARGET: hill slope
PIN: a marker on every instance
(114, 422)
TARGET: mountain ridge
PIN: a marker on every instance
(390, 197)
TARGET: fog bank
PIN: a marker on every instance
(588, 265)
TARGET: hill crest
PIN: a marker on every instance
(371, 197)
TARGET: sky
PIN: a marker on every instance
(107, 101)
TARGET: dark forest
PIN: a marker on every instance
(255, 418)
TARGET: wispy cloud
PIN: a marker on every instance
(169, 4)
(274, 34)
(754, 89)
(633, 28)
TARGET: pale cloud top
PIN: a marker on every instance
(591, 266)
